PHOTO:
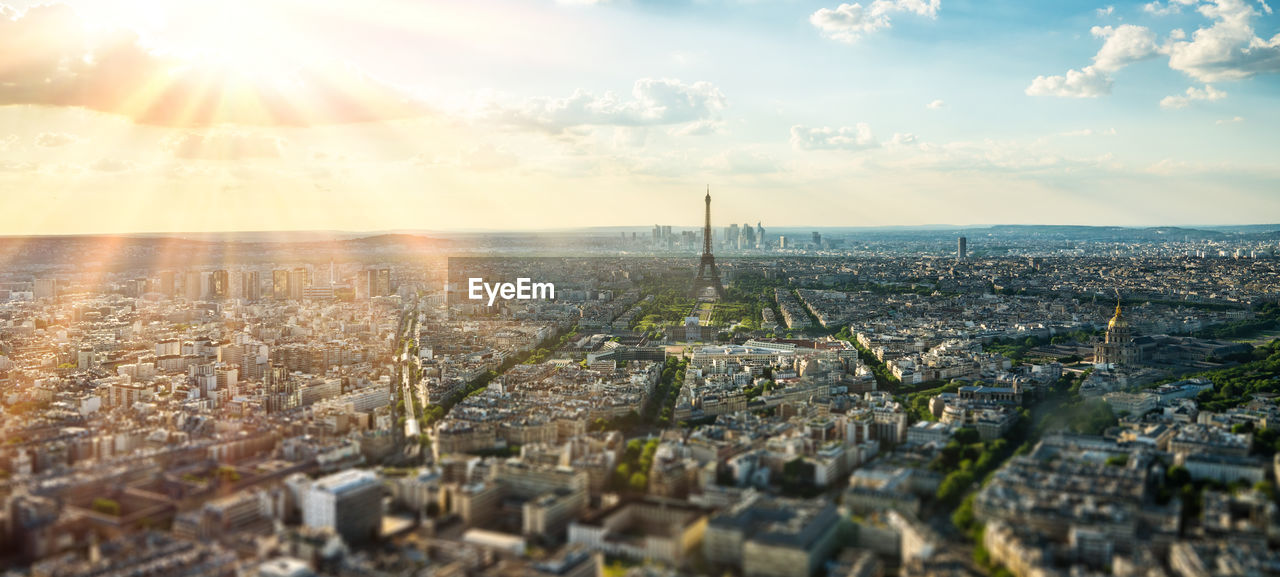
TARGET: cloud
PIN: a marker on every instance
(1232, 120)
(856, 137)
(111, 165)
(1087, 82)
(1104, 12)
(936, 105)
(1207, 93)
(743, 162)
(849, 22)
(1228, 49)
(488, 157)
(49, 56)
(224, 146)
(902, 139)
(653, 102)
(1170, 7)
(1124, 45)
(1121, 46)
(1088, 132)
(54, 139)
(625, 137)
(484, 157)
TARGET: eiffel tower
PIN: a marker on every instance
(708, 273)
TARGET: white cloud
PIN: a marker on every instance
(1232, 120)
(1087, 82)
(856, 137)
(849, 22)
(699, 128)
(901, 139)
(111, 165)
(739, 161)
(1169, 7)
(488, 157)
(654, 102)
(936, 104)
(1228, 49)
(625, 137)
(1124, 45)
(484, 157)
(1104, 12)
(224, 145)
(55, 139)
(1089, 132)
(1207, 93)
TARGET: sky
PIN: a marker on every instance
(200, 115)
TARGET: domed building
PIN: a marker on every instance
(1118, 347)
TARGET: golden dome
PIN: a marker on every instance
(1118, 320)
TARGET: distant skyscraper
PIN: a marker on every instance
(191, 286)
(382, 282)
(281, 390)
(250, 285)
(962, 249)
(759, 235)
(280, 284)
(219, 284)
(782, 242)
(299, 281)
(45, 288)
(168, 283)
(817, 238)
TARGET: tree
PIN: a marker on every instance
(639, 481)
(634, 447)
(964, 519)
(967, 436)
(954, 486)
(1266, 488)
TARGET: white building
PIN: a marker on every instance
(349, 503)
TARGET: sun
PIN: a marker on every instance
(241, 36)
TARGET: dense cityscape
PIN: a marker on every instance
(639, 288)
(1029, 401)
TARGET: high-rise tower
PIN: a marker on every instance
(708, 273)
